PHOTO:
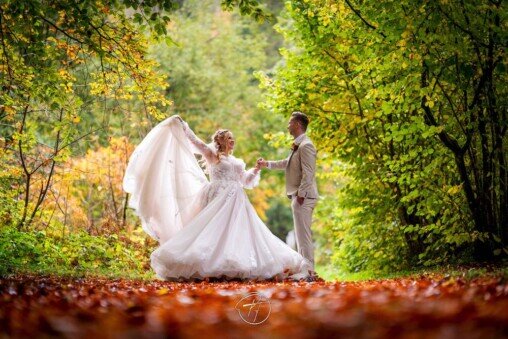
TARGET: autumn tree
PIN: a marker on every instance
(61, 60)
(210, 70)
(412, 96)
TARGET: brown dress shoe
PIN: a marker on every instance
(313, 276)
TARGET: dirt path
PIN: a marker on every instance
(407, 307)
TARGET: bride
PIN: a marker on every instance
(206, 228)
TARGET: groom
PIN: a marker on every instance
(301, 188)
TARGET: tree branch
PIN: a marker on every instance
(359, 15)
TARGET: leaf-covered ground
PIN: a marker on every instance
(415, 307)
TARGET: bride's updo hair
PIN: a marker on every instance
(220, 138)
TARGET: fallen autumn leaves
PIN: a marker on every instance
(427, 306)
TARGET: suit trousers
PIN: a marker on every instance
(302, 218)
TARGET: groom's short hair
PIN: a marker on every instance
(302, 118)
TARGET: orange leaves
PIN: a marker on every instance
(90, 188)
(405, 307)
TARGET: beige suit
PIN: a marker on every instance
(300, 167)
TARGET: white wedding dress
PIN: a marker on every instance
(206, 228)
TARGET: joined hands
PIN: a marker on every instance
(261, 163)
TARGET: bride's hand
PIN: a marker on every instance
(260, 163)
(182, 122)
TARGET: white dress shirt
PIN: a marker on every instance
(298, 140)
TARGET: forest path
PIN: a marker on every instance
(413, 307)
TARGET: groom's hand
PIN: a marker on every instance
(261, 163)
(300, 200)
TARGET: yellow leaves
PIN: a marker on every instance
(259, 200)
(312, 96)
(68, 87)
(102, 168)
(369, 114)
(335, 104)
(163, 291)
(153, 111)
(327, 14)
(372, 93)
(10, 111)
(96, 88)
(336, 8)
(143, 84)
(127, 96)
(356, 210)
(355, 120)
(68, 80)
(406, 34)
(429, 103)
(454, 189)
(72, 52)
(63, 72)
(325, 20)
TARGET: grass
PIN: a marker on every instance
(70, 272)
(468, 272)
(327, 272)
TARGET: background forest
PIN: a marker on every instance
(407, 100)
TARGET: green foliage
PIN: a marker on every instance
(73, 76)
(280, 219)
(10, 207)
(210, 72)
(72, 72)
(468, 273)
(390, 89)
(57, 59)
(247, 7)
(75, 254)
(407, 101)
(210, 69)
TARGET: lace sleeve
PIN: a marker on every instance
(199, 145)
(250, 178)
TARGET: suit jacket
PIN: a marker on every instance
(300, 167)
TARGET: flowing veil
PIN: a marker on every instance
(165, 180)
